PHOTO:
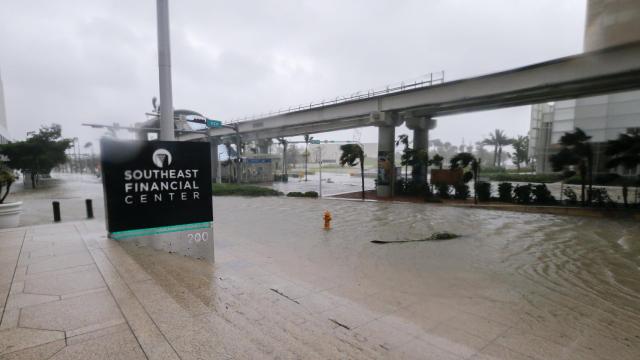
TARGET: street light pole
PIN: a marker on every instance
(164, 65)
(320, 189)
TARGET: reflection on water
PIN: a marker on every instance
(566, 278)
(332, 183)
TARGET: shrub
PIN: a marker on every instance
(529, 178)
(522, 194)
(410, 187)
(483, 190)
(571, 198)
(600, 198)
(505, 192)
(309, 194)
(443, 191)
(242, 190)
(461, 191)
(493, 169)
(542, 195)
(600, 179)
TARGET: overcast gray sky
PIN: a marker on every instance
(71, 62)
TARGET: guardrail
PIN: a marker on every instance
(428, 80)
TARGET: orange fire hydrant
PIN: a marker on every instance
(327, 220)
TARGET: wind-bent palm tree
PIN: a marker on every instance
(576, 150)
(352, 155)
(307, 139)
(497, 139)
(404, 140)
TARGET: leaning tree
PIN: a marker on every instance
(352, 155)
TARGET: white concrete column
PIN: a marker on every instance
(420, 127)
(386, 123)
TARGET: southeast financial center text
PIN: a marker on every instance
(145, 186)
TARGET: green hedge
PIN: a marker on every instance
(243, 190)
(309, 194)
(528, 178)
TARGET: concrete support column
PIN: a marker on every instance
(386, 123)
(264, 145)
(215, 175)
(420, 127)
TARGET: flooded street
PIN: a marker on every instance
(569, 281)
(513, 286)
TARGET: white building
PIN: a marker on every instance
(608, 23)
(4, 131)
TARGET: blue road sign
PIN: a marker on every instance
(214, 123)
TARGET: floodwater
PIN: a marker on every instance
(574, 282)
(332, 183)
(545, 286)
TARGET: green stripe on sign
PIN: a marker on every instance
(119, 235)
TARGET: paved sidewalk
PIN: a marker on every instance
(73, 294)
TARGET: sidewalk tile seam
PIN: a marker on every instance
(109, 290)
(31, 347)
(84, 292)
(6, 300)
(134, 296)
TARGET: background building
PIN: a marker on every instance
(4, 130)
(608, 23)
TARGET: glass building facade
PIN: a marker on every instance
(608, 23)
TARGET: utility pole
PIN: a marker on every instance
(320, 186)
(164, 66)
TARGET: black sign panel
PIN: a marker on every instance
(150, 184)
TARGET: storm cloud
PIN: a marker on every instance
(71, 62)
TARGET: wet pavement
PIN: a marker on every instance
(513, 286)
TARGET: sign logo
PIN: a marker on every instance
(162, 158)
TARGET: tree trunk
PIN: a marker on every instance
(495, 155)
(362, 176)
(583, 181)
(6, 192)
(590, 171)
(499, 156)
(33, 180)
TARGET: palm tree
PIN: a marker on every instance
(497, 139)
(625, 152)
(521, 151)
(284, 144)
(352, 155)
(492, 141)
(576, 151)
(307, 139)
(404, 160)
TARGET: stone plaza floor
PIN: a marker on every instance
(67, 292)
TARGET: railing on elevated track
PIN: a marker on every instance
(426, 80)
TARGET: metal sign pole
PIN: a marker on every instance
(164, 65)
(320, 192)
